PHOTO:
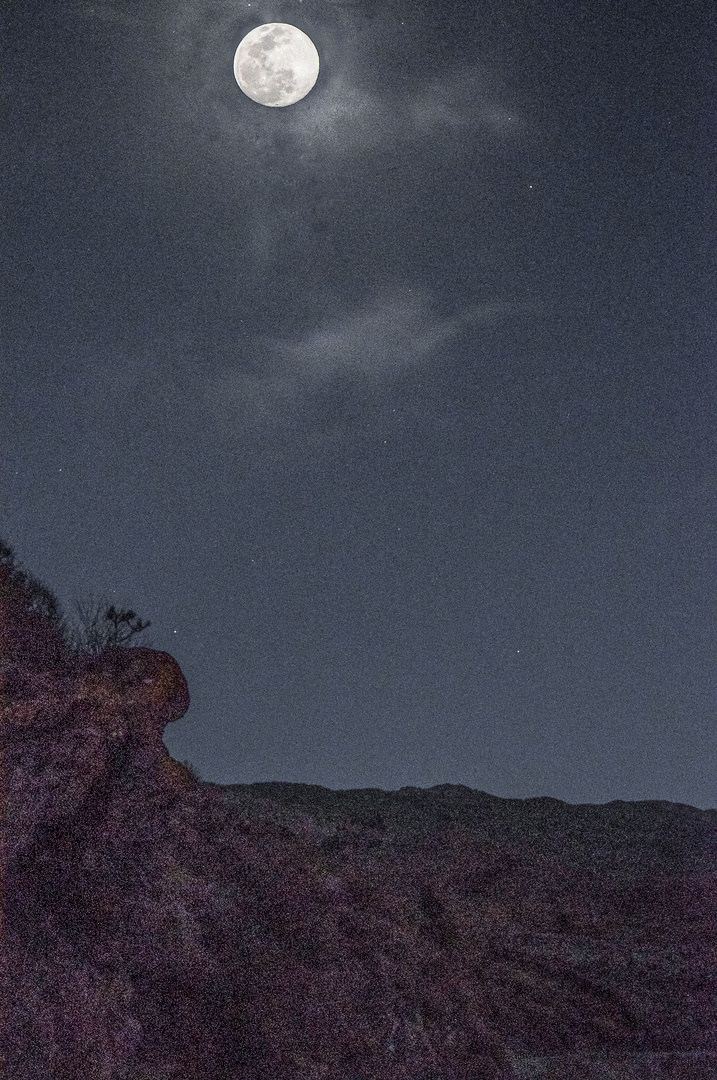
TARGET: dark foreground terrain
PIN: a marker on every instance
(572, 917)
(157, 928)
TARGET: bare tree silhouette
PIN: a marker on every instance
(99, 624)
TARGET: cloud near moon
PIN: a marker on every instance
(355, 113)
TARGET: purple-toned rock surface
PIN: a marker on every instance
(156, 928)
(587, 933)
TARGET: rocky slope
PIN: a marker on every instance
(154, 927)
(589, 931)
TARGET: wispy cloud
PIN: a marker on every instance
(347, 119)
(396, 329)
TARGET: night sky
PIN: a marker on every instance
(393, 410)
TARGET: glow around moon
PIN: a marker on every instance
(276, 64)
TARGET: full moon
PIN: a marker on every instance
(276, 64)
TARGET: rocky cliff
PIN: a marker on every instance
(154, 927)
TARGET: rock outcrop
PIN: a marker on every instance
(157, 928)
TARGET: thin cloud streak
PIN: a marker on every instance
(395, 330)
(390, 332)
